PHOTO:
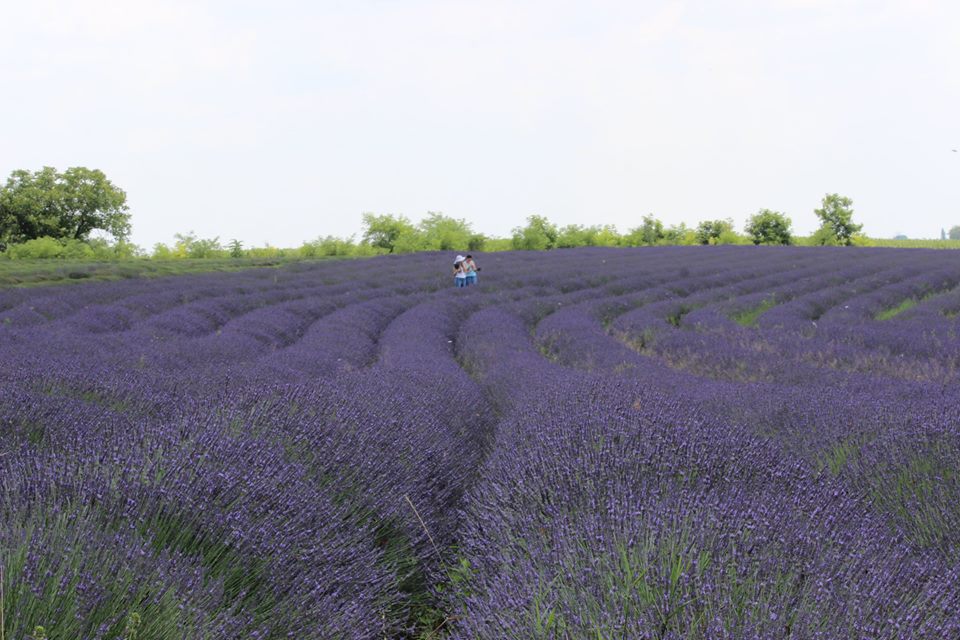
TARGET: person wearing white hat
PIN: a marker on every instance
(459, 272)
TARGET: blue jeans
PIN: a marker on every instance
(460, 282)
(471, 279)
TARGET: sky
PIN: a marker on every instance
(279, 122)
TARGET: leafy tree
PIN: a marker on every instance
(328, 246)
(649, 233)
(476, 242)
(384, 231)
(836, 215)
(824, 237)
(539, 234)
(236, 248)
(679, 234)
(105, 250)
(575, 235)
(606, 236)
(71, 249)
(411, 241)
(769, 227)
(712, 231)
(445, 233)
(71, 204)
(188, 245)
(572, 235)
(266, 251)
(161, 252)
(954, 233)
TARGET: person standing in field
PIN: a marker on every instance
(459, 272)
(471, 269)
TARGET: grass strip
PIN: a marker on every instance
(749, 317)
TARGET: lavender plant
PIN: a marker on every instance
(659, 442)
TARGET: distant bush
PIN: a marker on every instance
(384, 234)
(328, 246)
(498, 244)
(366, 251)
(716, 232)
(824, 237)
(575, 235)
(70, 249)
(384, 231)
(477, 242)
(120, 250)
(268, 252)
(769, 227)
(45, 247)
(440, 232)
(76, 250)
(188, 245)
(679, 234)
(436, 232)
(730, 237)
(649, 233)
(912, 243)
(161, 252)
(539, 234)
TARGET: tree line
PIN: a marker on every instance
(80, 214)
(397, 234)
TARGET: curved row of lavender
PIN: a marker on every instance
(717, 442)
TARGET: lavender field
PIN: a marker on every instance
(676, 442)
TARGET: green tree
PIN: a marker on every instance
(445, 233)
(161, 252)
(236, 248)
(476, 242)
(606, 236)
(384, 231)
(679, 234)
(824, 237)
(649, 233)
(64, 205)
(539, 234)
(188, 245)
(769, 227)
(576, 235)
(411, 241)
(836, 225)
(327, 246)
(954, 233)
(713, 231)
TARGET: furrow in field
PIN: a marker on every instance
(281, 460)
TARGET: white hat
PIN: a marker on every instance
(459, 259)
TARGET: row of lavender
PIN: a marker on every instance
(677, 442)
(650, 496)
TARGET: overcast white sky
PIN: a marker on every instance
(282, 121)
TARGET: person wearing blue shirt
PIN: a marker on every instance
(471, 269)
